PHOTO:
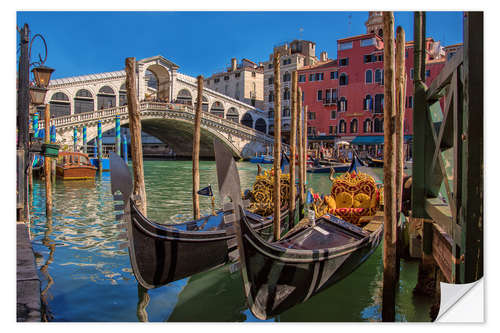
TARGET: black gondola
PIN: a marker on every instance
(279, 275)
(163, 253)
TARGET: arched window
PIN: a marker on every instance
(59, 106)
(378, 76)
(286, 94)
(342, 126)
(84, 102)
(217, 109)
(354, 126)
(285, 112)
(247, 120)
(232, 114)
(343, 104)
(368, 76)
(260, 125)
(367, 126)
(106, 98)
(343, 79)
(184, 97)
(378, 126)
(286, 77)
(368, 103)
(122, 95)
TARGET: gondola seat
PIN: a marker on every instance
(355, 196)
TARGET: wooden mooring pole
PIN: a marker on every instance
(304, 144)
(196, 150)
(400, 117)
(47, 169)
(390, 218)
(293, 143)
(135, 135)
(277, 146)
(301, 147)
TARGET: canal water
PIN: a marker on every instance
(86, 275)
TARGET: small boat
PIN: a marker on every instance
(163, 253)
(279, 275)
(374, 162)
(262, 159)
(74, 165)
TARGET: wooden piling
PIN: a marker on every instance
(304, 144)
(277, 146)
(99, 144)
(196, 150)
(400, 118)
(300, 141)
(293, 144)
(390, 219)
(118, 137)
(135, 135)
(47, 166)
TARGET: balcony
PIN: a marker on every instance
(330, 101)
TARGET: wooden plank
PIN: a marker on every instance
(444, 77)
(440, 213)
(196, 150)
(442, 252)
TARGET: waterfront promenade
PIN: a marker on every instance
(28, 283)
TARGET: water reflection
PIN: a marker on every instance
(142, 303)
(49, 243)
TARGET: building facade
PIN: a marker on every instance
(243, 82)
(345, 97)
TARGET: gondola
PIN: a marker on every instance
(163, 253)
(262, 159)
(279, 275)
(374, 162)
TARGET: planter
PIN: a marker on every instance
(50, 150)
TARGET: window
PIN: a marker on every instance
(344, 62)
(270, 65)
(319, 76)
(354, 126)
(367, 126)
(226, 77)
(216, 80)
(237, 74)
(331, 129)
(378, 76)
(342, 126)
(311, 77)
(271, 96)
(343, 79)
(368, 103)
(286, 94)
(369, 58)
(334, 75)
(368, 76)
(270, 80)
(286, 77)
(380, 57)
(286, 112)
(345, 46)
(311, 115)
(253, 74)
(367, 42)
(302, 78)
(411, 74)
(320, 95)
(410, 102)
(428, 73)
(287, 61)
(379, 103)
(334, 94)
(333, 114)
(270, 113)
(343, 104)
(378, 126)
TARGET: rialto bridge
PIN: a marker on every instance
(167, 100)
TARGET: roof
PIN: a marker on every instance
(88, 77)
(358, 37)
(320, 65)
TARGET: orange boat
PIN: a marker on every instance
(73, 165)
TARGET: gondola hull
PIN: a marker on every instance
(280, 275)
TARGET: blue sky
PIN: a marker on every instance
(200, 42)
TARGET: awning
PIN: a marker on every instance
(374, 139)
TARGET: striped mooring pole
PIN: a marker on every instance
(84, 138)
(75, 138)
(99, 143)
(125, 149)
(117, 136)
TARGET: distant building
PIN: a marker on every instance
(345, 97)
(293, 56)
(243, 82)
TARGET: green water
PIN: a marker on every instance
(87, 277)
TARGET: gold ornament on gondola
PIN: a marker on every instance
(262, 193)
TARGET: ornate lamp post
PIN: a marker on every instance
(25, 95)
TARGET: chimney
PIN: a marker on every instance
(234, 64)
(323, 56)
